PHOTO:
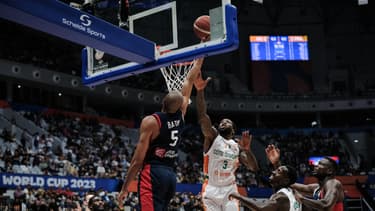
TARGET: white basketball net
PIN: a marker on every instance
(175, 75)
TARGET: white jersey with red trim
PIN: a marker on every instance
(221, 161)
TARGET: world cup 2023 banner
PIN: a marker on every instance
(11, 181)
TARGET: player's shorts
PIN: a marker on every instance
(156, 187)
(215, 198)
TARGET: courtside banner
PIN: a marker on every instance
(54, 182)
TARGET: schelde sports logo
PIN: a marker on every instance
(83, 24)
(85, 20)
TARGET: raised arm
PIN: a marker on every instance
(278, 201)
(189, 82)
(333, 188)
(204, 120)
(247, 157)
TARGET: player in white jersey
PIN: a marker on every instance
(222, 155)
(283, 199)
(281, 179)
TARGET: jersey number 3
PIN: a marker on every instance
(174, 138)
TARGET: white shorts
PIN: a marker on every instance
(216, 198)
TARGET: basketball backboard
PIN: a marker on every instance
(155, 25)
(168, 24)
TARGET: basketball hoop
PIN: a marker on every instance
(175, 74)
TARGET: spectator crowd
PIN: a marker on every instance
(84, 148)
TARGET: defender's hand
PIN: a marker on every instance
(199, 83)
(245, 141)
(273, 154)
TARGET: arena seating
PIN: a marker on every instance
(71, 144)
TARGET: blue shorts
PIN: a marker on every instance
(156, 187)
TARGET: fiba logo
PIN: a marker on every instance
(85, 20)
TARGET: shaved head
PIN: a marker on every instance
(332, 165)
(172, 102)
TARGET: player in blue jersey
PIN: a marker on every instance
(157, 148)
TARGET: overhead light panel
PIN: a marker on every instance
(259, 1)
(362, 2)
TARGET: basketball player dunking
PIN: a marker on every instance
(221, 157)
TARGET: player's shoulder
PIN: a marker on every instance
(333, 182)
(285, 191)
(280, 195)
(150, 120)
(150, 117)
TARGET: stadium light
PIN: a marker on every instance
(259, 1)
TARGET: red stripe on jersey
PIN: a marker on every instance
(145, 189)
(157, 119)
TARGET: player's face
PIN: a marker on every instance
(226, 127)
(321, 168)
(278, 176)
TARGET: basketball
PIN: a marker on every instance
(202, 27)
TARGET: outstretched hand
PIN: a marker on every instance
(273, 154)
(199, 83)
(198, 62)
(245, 141)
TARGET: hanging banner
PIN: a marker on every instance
(55, 182)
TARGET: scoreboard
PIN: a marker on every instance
(279, 48)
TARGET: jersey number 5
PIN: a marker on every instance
(174, 137)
